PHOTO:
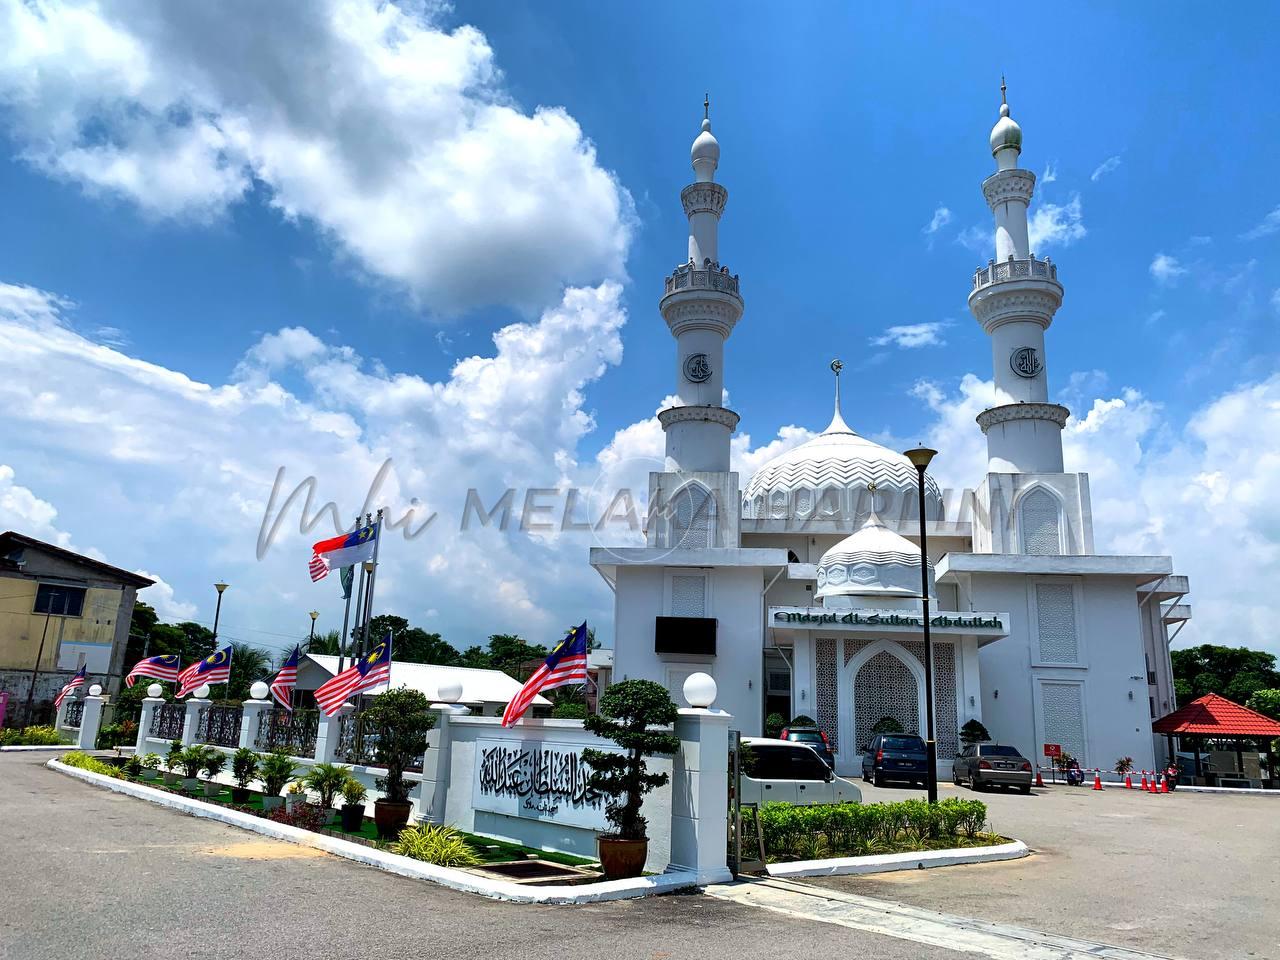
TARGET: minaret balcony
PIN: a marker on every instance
(711, 276)
(1011, 269)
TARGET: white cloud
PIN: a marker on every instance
(978, 238)
(1166, 269)
(1050, 173)
(911, 335)
(160, 595)
(1268, 225)
(1108, 165)
(941, 217)
(23, 512)
(370, 121)
(1054, 224)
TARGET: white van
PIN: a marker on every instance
(788, 771)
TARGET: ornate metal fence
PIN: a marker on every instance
(167, 721)
(358, 743)
(74, 715)
(220, 725)
(294, 733)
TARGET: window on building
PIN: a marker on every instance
(1040, 524)
(694, 517)
(1056, 623)
(688, 596)
(59, 600)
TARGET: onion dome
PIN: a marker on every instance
(705, 152)
(828, 477)
(874, 562)
(1006, 133)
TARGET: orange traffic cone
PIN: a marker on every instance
(1164, 784)
(1097, 780)
(1128, 781)
(1144, 788)
(1155, 787)
(1039, 779)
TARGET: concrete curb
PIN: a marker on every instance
(1248, 791)
(64, 747)
(390, 862)
(920, 860)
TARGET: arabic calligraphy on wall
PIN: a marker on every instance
(538, 780)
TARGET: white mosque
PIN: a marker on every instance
(800, 594)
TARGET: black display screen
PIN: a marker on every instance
(691, 636)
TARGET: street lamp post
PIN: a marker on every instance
(920, 457)
(311, 638)
(217, 610)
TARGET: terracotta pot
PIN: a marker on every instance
(622, 859)
(390, 817)
(352, 817)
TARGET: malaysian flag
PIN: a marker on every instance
(215, 668)
(163, 667)
(344, 550)
(76, 681)
(366, 673)
(566, 664)
(282, 685)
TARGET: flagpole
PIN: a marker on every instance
(373, 578)
(346, 615)
(355, 630)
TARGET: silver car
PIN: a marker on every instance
(992, 764)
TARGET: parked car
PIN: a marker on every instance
(794, 772)
(813, 737)
(895, 756)
(991, 764)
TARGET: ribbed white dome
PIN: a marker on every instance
(828, 478)
(875, 561)
(1006, 132)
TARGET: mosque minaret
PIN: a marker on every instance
(1014, 297)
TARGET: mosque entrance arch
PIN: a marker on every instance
(880, 680)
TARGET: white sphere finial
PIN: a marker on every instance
(700, 690)
(155, 691)
(259, 690)
(95, 690)
(706, 149)
(449, 692)
(201, 692)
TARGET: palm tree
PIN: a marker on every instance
(248, 664)
(325, 643)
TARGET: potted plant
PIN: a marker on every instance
(353, 794)
(400, 720)
(244, 767)
(1123, 765)
(150, 766)
(295, 796)
(214, 761)
(628, 713)
(171, 763)
(275, 770)
(327, 780)
(191, 760)
(133, 766)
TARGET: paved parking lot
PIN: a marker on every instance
(1188, 875)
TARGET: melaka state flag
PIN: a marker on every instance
(344, 550)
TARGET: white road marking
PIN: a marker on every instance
(963, 934)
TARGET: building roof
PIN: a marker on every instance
(1215, 716)
(478, 686)
(9, 540)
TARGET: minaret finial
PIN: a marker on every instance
(837, 420)
(706, 106)
(1003, 100)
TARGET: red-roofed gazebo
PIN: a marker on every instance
(1217, 718)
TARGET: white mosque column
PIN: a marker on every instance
(802, 696)
(1015, 297)
(701, 305)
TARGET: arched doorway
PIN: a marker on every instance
(881, 680)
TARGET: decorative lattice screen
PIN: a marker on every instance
(1040, 521)
(824, 650)
(688, 596)
(1056, 623)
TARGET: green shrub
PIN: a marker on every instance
(327, 779)
(151, 761)
(213, 762)
(41, 736)
(974, 732)
(353, 792)
(773, 724)
(244, 767)
(116, 734)
(276, 769)
(855, 829)
(192, 759)
(133, 766)
(435, 843)
(172, 759)
(401, 718)
(803, 720)
(886, 725)
(78, 758)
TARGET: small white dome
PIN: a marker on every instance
(875, 561)
(705, 153)
(827, 478)
(1006, 132)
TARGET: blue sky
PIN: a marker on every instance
(846, 131)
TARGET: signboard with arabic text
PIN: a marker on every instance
(536, 780)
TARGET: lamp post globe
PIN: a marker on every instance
(920, 458)
(313, 614)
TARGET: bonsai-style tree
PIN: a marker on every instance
(803, 720)
(773, 724)
(276, 769)
(628, 712)
(1124, 765)
(973, 732)
(327, 779)
(400, 719)
(244, 767)
(886, 725)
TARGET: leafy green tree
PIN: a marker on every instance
(476, 658)
(1233, 672)
(400, 719)
(248, 664)
(510, 654)
(415, 645)
(628, 713)
(886, 725)
(379, 625)
(328, 643)
(1266, 702)
(974, 732)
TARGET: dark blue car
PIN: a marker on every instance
(895, 756)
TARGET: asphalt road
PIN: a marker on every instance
(1187, 874)
(90, 874)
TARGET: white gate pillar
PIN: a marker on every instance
(150, 705)
(330, 733)
(700, 785)
(191, 722)
(435, 795)
(91, 719)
